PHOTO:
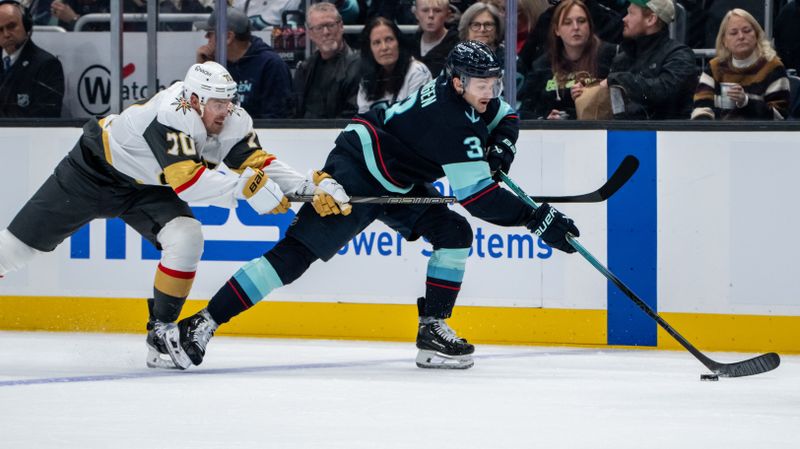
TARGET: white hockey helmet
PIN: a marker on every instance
(209, 80)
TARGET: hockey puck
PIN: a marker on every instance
(711, 377)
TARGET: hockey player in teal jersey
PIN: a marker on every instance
(144, 166)
(454, 126)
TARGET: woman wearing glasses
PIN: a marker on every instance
(483, 22)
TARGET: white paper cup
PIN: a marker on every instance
(725, 102)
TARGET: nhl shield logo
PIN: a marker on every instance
(23, 100)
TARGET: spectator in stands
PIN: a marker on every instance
(390, 72)
(575, 58)
(264, 80)
(655, 75)
(787, 35)
(608, 27)
(433, 40)
(326, 84)
(746, 80)
(31, 79)
(482, 22)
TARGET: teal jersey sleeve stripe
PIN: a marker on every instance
(504, 109)
(468, 178)
(369, 157)
(448, 264)
(257, 279)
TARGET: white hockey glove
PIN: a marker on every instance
(329, 196)
(262, 193)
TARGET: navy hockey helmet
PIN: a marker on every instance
(473, 59)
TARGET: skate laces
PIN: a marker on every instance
(446, 332)
(204, 329)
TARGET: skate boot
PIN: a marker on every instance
(163, 347)
(196, 331)
(440, 347)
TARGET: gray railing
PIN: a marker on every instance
(137, 17)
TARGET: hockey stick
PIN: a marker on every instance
(617, 179)
(749, 367)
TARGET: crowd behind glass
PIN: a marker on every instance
(576, 59)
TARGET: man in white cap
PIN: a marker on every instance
(654, 75)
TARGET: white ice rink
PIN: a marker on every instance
(92, 391)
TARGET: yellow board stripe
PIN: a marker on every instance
(395, 322)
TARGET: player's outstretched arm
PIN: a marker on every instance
(262, 193)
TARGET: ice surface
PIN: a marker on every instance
(62, 390)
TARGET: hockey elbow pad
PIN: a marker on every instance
(263, 194)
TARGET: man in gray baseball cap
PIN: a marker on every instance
(663, 9)
(653, 77)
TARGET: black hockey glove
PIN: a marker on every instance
(552, 226)
(500, 156)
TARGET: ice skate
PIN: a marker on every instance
(195, 332)
(440, 347)
(164, 348)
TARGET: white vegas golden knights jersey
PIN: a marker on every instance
(163, 142)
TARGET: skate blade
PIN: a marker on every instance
(174, 348)
(436, 360)
(156, 359)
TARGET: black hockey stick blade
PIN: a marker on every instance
(756, 365)
(617, 179)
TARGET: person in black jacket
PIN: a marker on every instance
(575, 57)
(608, 28)
(433, 41)
(326, 84)
(653, 75)
(263, 78)
(31, 79)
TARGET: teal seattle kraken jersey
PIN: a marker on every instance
(435, 133)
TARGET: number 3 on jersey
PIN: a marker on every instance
(180, 143)
(475, 150)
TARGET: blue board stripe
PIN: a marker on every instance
(632, 240)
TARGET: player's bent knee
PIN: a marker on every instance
(14, 254)
(455, 232)
(181, 241)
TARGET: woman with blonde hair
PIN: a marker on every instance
(746, 80)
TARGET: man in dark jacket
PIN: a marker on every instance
(326, 84)
(31, 79)
(654, 75)
(263, 78)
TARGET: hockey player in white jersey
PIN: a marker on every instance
(143, 166)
